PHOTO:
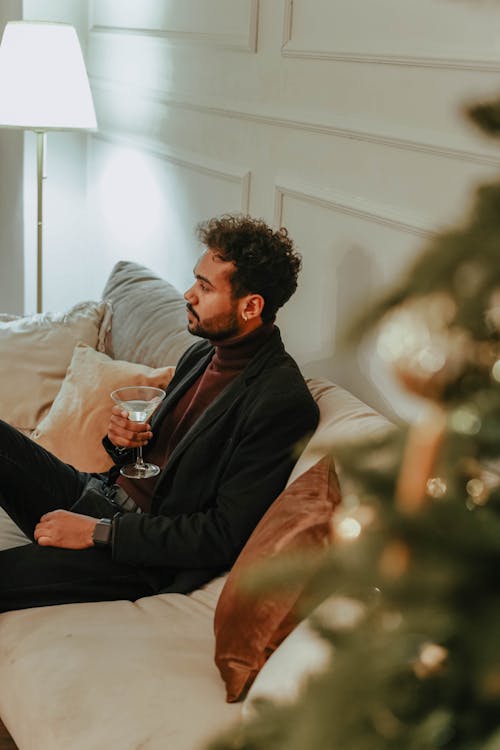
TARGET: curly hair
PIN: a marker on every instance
(266, 261)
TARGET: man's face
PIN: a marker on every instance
(213, 312)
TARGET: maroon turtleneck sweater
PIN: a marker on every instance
(229, 359)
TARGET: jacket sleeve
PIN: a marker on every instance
(254, 475)
(121, 456)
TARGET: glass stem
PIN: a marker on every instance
(139, 460)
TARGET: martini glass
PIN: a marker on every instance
(140, 402)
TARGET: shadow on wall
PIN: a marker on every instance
(357, 285)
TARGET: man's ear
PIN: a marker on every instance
(252, 306)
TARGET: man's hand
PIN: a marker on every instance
(61, 528)
(127, 434)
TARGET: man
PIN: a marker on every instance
(225, 437)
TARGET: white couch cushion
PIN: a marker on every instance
(302, 654)
(114, 674)
(343, 418)
(128, 675)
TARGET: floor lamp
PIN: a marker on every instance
(43, 86)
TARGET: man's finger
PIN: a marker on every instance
(39, 531)
(48, 516)
(129, 439)
(128, 425)
(119, 412)
(139, 436)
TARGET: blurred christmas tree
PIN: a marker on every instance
(420, 667)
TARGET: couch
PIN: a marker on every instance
(141, 674)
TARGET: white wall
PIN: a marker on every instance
(339, 118)
(11, 209)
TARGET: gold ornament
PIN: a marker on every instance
(425, 349)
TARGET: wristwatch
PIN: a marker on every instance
(102, 532)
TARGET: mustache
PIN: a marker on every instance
(190, 308)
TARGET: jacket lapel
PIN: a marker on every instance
(229, 396)
(226, 399)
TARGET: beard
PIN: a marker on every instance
(218, 328)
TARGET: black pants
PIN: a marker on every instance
(34, 482)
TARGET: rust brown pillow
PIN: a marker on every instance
(249, 628)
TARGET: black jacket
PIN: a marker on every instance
(224, 473)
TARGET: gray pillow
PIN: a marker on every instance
(149, 317)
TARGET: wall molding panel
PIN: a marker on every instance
(244, 40)
(365, 210)
(292, 49)
(342, 129)
(340, 118)
(191, 162)
(485, 66)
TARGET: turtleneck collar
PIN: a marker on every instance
(236, 352)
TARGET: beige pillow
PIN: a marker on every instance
(78, 420)
(35, 352)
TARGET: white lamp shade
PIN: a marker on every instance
(43, 81)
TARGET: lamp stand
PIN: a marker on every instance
(40, 169)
